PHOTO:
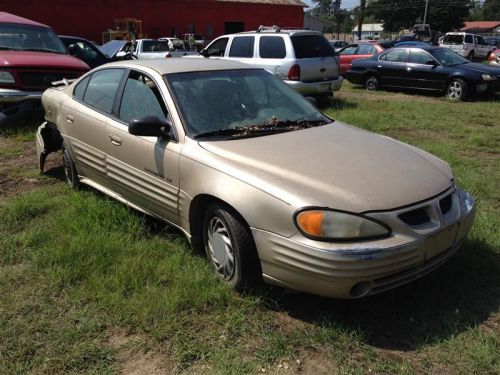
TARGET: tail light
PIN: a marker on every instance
(294, 73)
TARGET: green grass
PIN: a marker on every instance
(77, 267)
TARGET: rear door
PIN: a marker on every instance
(242, 49)
(315, 56)
(85, 117)
(392, 67)
(346, 56)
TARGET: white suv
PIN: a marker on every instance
(303, 59)
(468, 45)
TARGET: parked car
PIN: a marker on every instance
(425, 68)
(256, 177)
(303, 59)
(338, 44)
(31, 58)
(468, 45)
(84, 50)
(360, 50)
(493, 41)
(174, 43)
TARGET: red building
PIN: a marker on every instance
(210, 18)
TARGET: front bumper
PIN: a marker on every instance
(353, 270)
(316, 88)
(19, 108)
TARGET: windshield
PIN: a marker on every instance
(29, 38)
(218, 101)
(447, 57)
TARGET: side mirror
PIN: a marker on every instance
(431, 62)
(204, 53)
(150, 126)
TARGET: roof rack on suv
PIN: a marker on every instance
(269, 28)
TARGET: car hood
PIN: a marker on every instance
(336, 165)
(481, 68)
(25, 59)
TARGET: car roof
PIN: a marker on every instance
(12, 18)
(280, 32)
(182, 65)
(73, 37)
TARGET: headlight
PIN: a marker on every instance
(331, 225)
(6, 77)
(488, 77)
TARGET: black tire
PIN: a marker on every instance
(323, 101)
(220, 226)
(457, 90)
(470, 56)
(372, 83)
(70, 170)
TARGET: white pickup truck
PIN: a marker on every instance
(155, 49)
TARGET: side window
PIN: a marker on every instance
(468, 39)
(480, 40)
(348, 50)
(242, 46)
(141, 97)
(80, 88)
(365, 49)
(218, 48)
(102, 88)
(272, 47)
(418, 57)
(396, 55)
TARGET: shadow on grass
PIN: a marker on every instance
(338, 103)
(461, 294)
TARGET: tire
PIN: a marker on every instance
(372, 83)
(470, 56)
(323, 101)
(457, 90)
(230, 247)
(70, 170)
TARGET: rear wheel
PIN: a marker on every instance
(230, 247)
(70, 170)
(372, 83)
(457, 90)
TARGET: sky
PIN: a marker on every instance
(346, 4)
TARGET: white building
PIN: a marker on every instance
(368, 31)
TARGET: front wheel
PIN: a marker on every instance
(230, 247)
(372, 83)
(457, 90)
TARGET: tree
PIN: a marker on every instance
(323, 8)
(443, 15)
(490, 11)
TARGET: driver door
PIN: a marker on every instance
(144, 170)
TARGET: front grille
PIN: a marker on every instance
(43, 80)
(415, 218)
(445, 204)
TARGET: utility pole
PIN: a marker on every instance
(362, 5)
(425, 13)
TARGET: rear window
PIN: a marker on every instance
(308, 46)
(272, 47)
(365, 49)
(242, 47)
(453, 39)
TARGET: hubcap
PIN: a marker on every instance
(371, 84)
(454, 90)
(220, 248)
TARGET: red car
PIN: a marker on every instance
(31, 58)
(360, 50)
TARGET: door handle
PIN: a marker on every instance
(379, 66)
(70, 119)
(408, 69)
(114, 139)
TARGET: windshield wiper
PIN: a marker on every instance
(269, 127)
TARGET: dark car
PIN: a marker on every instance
(493, 41)
(85, 50)
(425, 68)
